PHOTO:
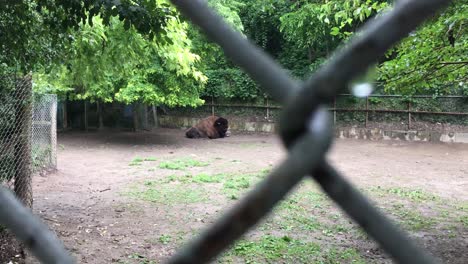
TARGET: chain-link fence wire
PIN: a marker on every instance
(305, 129)
(15, 136)
(27, 143)
(44, 133)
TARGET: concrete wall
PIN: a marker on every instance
(235, 125)
(340, 132)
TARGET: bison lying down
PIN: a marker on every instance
(210, 127)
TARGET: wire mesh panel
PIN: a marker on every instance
(15, 136)
(27, 143)
(44, 133)
(15, 147)
(305, 127)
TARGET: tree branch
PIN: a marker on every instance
(453, 62)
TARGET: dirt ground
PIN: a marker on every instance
(87, 200)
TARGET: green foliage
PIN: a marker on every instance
(35, 32)
(130, 68)
(141, 51)
(427, 62)
(317, 26)
(230, 83)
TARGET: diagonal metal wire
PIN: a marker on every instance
(298, 133)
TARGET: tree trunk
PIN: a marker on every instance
(23, 121)
(145, 117)
(310, 55)
(100, 119)
(65, 114)
(135, 117)
(155, 116)
(86, 115)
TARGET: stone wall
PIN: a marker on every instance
(340, 132)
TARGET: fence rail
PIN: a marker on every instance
(367, 110)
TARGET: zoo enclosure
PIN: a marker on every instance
(306, 130)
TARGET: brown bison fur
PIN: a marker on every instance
(210, 127)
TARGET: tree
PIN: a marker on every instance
(319, 26)
(34, 31)
(108, 63)
(433, 59)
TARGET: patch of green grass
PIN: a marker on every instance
(415, 195)
(165, 239)
(412, 219)
(137, 258)
(199, 178)
(153, 191)
(274, 249)
(137, 159)
(182, 164)
(464, 220)
(207, 178)
(335, 256)
(265, 171)
(294, 212)
(234, 185)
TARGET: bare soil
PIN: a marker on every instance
(85, 203)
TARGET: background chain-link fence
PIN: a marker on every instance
(306, 129)
(44, 133)
(27, 142)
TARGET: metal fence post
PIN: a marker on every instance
(53, 133)
(409, 115)
(367, 110)
(212, 106)
(267, 109)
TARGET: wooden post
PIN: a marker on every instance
(409, 115)
(367, 110)
(145, 117)
(100, 119)
(135, 117)
(212, 106)
(65, 114)
(267, 109)
(53, 133)
(334, 110)
(155, 116)
(86, 115)
(22, 156)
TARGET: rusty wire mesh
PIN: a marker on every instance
(306, 130)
